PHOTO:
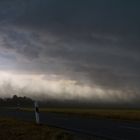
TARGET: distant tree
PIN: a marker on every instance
(15, 97)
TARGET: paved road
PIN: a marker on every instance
(111, 130)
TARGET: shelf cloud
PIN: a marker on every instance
(86, 50)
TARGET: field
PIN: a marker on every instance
(11, 129)
(117, 114)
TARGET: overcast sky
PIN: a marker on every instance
(70, 49)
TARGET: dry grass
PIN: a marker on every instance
(118, 114)
(11, 129)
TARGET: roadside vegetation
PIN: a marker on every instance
(11, 129)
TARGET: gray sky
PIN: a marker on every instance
(71, 49)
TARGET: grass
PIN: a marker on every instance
(11, 129)
(117, 114)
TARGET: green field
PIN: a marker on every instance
(117, 114)
(11, 129)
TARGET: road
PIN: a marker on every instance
(109, 129)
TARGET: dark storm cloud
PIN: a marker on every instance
(96, 40)
(116, 16)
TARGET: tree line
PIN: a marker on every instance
(16, 101)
